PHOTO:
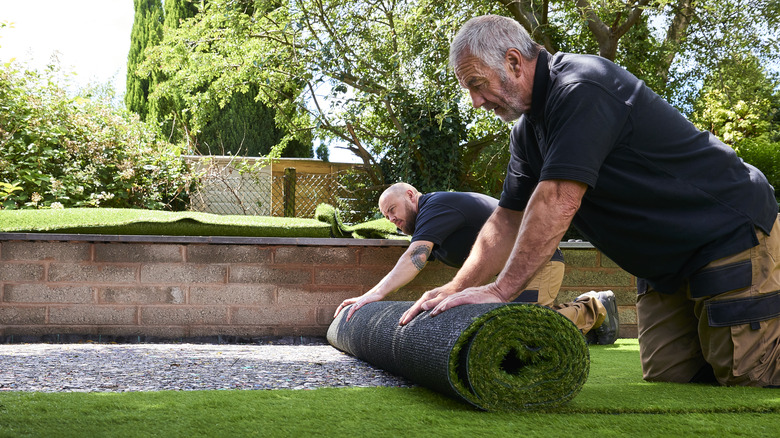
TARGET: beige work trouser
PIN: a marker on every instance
(584, 312)
(736, 332)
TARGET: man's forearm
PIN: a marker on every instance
(547, 217)
(411, 262)
(491, 249)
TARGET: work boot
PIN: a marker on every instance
(607, 333)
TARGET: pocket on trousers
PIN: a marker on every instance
(709, 282)
(750, 310)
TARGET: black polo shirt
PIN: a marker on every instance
(663, 198)
(451, 221)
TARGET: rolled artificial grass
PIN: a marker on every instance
(375, 229)
(497, 357)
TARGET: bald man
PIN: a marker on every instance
(444, 227)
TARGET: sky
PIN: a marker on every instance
(90, 38)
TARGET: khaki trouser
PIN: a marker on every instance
(584, 312)
(736, 332)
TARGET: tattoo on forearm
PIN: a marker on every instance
(420, 257)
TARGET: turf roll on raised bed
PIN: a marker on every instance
(498, 357)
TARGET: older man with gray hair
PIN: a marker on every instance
(596, 148)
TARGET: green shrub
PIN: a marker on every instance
(80, 151)
(764, 154)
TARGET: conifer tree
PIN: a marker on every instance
(146, 32)
(167, 110)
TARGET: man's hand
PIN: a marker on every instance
(427, 301)
(489, 293)
(445, 297)
(368, 297)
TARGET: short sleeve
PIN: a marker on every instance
(583, 123)
(436, 222)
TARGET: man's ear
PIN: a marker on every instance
(514, 61)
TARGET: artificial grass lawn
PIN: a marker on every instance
(614, 402)
(166, 223)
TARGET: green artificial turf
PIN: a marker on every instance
(375, 229)
(165, 223)
(614, 402)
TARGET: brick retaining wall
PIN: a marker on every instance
(126, 287)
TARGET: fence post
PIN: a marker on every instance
(289, 192)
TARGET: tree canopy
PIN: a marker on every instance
(371, 76)
(239, 125)
(146, 32)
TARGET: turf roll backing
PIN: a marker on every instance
(497, 357)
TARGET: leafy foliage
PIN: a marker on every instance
(391, 100)
(246, 127)
(740, 103)
(238, 124)
(355, 85)
(146, 32)
(62, 151)
(763, 153)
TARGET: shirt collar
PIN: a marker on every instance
(539, 90)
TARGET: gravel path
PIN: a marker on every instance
(93, 367)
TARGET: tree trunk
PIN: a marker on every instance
(678, 30)
(534, 21)
(608, 36)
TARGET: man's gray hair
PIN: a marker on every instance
(488, 38)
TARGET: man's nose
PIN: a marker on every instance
(476, 99)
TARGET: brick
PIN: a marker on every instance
(308, 331)
(184, 315)
(603, 279)
(266, 274)
(291, 296)
(568, 295)
(27, 315)
(41, 293)
(583, 258)
(628, 331)
(434, 274)
(325, 315)
(141, 295)
(234, 295)
(187, 273)
(50, 333)
(406, 294)
(383, 256)
(274, 316)
(140, 333)
(242, 331)
(59, 251)
(627, 315)
(320, 255)
(607, 262)
(82, 315)
(81, 273)
(366, 277)
(138, 253)
(227, 254)
(625, 297)
(21, 272)
(137, 333)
